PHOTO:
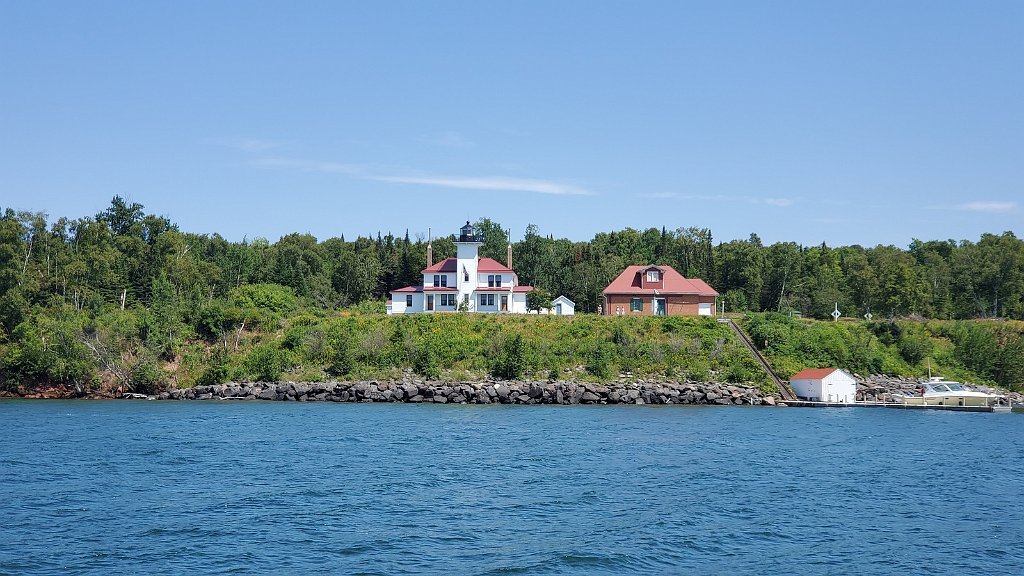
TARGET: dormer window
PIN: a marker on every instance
(653, 275)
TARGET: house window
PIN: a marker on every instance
(486, 300)
(447, 299)
(652, 275)
(440, 280)
(497, 281)
(636, 305)
(408, 300)
(490, 280)
(437, 280)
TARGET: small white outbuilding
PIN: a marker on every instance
(562, 306)
(824, 385)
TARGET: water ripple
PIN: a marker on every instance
(223, 488)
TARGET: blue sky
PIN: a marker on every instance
(849, 123)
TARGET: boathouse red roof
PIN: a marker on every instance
(813, 373)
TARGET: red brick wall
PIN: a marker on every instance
(675, 305)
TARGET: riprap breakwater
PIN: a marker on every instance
(488, 392)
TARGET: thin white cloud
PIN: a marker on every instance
(780, 202)
(495, 183)
(988, 206)
(499, 183)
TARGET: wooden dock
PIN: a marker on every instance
(896, 405)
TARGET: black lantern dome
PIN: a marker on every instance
(467, 233)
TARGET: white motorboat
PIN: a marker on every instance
(940, 392)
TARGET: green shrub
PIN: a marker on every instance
(510, 363)
(264, 363)
(145, 376)
(425, 363)
(339, 351)
(271, 297)
(914, 348)
(217, 370)
(599, 362)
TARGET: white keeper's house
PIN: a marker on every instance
(481, 284)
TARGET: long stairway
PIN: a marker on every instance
(782, 386)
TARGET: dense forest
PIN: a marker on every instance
(125, 291)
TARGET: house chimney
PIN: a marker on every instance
(509, 255)
(430, 250)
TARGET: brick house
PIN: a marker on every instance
(658, 291)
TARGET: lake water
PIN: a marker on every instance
(136, 487)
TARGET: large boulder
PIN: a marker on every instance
(502, 391)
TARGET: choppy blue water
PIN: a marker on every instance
(121, 487)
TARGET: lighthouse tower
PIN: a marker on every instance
(467, 253)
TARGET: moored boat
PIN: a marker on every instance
(940, 392)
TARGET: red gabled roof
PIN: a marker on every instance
(492, 265)
(523, 289)
(812, 373)
(446, 265)
(409, 289)
(629, 283)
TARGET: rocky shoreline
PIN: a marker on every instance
(487, 392)
(875, 388)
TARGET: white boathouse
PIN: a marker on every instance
(824, 385)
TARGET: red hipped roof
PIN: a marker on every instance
(417, 289)
(629, 282)
(483, 265)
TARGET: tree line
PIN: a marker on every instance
(125, 257)
(127, 297)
